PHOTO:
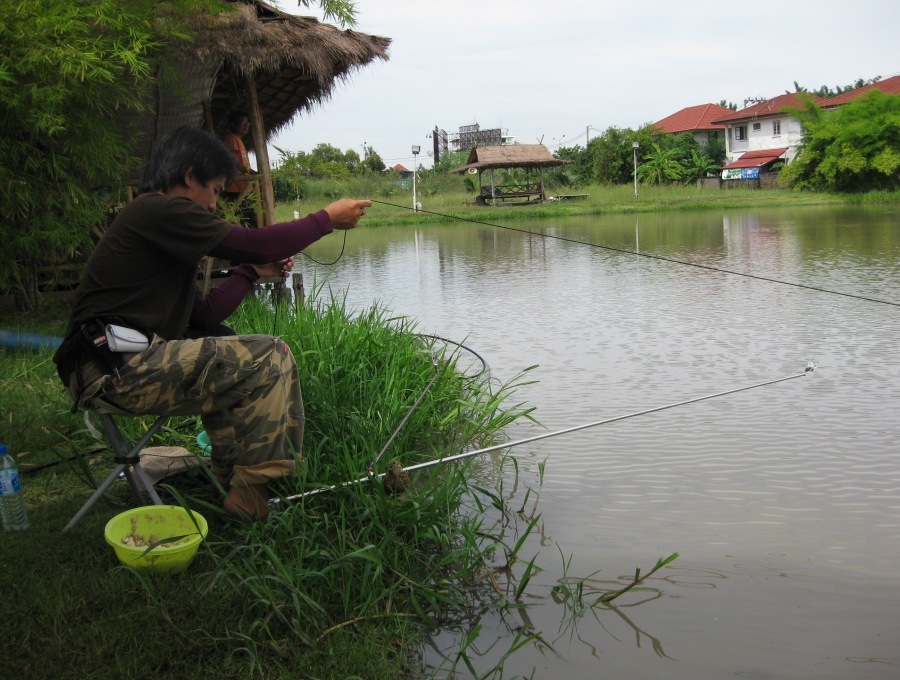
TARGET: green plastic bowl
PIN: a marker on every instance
(204, 443)
(132, 532)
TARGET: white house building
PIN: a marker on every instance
(762, 133)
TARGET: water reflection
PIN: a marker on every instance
(784, 502)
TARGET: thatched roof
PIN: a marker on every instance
(511, 156)
(295, 62)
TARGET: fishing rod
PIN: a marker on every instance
(810, 367)
(661, 258)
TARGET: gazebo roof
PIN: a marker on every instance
(295, 63)
(511, 156)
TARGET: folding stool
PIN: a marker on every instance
(128, 462)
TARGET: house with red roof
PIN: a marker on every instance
(698, 120)
(887, 86)
(758, 136)
(404, 172)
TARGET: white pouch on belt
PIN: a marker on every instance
(122, 339)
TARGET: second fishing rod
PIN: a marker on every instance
(371, 476)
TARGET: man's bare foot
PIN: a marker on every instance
(248, 502)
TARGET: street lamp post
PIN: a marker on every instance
(415, 152)
(634, 146)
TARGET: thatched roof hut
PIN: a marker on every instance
(511, 156)
(533, 158)
(256, 58)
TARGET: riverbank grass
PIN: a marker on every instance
(340, 584)
(394, 207)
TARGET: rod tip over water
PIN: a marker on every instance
(810, 367)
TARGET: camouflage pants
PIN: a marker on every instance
(245, 388)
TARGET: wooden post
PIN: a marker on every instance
(207, 117)
(207, 275)
(297, 285)
(257, 126)
(493, 190)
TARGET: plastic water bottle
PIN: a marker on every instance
(12, 499)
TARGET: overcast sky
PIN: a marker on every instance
(551, 70)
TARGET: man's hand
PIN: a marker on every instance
(281, 268)
(345, 213)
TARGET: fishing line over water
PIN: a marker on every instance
(653, 257)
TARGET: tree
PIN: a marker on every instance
(372, 162)
(660, 166)
(855, 147)
(450, 160)
(290, 176)
(698, 166)
(582, 167)
(70, 71)
(825, 91)
(715, 148)
(341, 11)
(610, 156)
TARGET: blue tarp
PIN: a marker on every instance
(32, 341)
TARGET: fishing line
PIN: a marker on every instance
(653, 257)
(335, 260)
(464, 372)
(435, 362)
(437, 372)
(280, 284)
(810, 367)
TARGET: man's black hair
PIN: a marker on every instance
(182, 149)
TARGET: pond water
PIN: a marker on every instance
(783, 500)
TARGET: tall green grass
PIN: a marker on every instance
(340, 584)
(365, 553)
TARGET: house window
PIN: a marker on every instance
(757, 127)
(776, 127)
(740, 132)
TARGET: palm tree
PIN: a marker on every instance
(698, 166)
(660, 167)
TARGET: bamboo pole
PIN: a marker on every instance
(207, 117)
(257, 126)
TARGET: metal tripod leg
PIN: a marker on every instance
(136, 471)
(128, 463)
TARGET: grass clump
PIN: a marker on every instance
(340, 584)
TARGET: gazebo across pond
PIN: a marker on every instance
(532, 158)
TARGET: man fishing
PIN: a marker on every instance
(140, 282)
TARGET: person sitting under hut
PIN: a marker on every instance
(239, 193)
(142, 275)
